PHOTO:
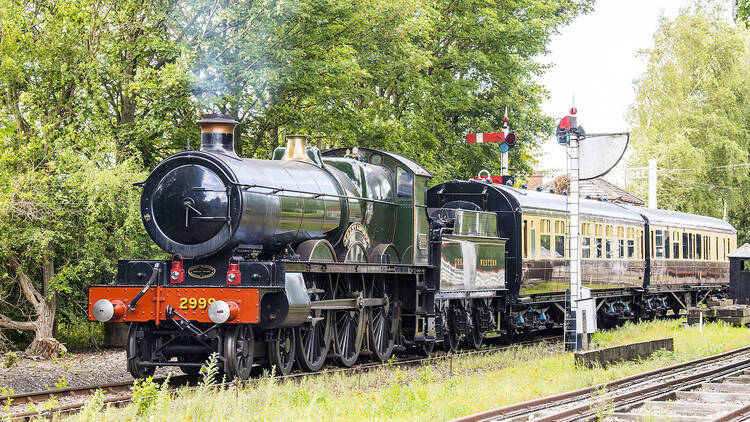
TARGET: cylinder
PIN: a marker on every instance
(287, 308)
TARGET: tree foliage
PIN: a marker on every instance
(94, 94)
(692, 113)
(407, 76)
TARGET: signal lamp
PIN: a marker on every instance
(234, 276)
(178, 273)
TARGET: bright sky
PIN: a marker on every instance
(595, 59)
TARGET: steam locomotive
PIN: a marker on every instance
(313, 256)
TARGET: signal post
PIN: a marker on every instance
(602, 152)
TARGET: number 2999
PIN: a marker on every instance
(195, 303)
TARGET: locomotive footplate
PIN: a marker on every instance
(112, 303)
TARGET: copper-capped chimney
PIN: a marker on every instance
(217, 133)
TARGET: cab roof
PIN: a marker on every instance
(408, 163)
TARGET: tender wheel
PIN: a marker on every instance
(451, 338)
(474, 338)
(383, 323)
(313, 338)
(238, 351)
(140, 345)
(281, 350)
(348, 324)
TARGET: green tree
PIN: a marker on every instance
(67, 206)
(407, 76)
(691, 113)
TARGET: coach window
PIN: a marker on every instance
(691, 244)
(658, 236)
(525, 238)
(685, 246)
(631, 248)
(621, 248)
(559, 246)
(608, 244)
(706, 247)
(545, 246)
(651, 243)
(585, 247)
(639, 245)
(716, 245)
(666, 244)
(598, 245)
(675, 245)
(698, 246)
(533, 241)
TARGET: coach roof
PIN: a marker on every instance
(545, 202)
(659, 217)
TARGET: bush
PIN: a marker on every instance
(80, 335)
(11, 359)
(145, 393)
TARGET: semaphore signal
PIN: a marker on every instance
(505, 140)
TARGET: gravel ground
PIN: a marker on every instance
(79, 369)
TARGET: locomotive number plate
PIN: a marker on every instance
(195, 303)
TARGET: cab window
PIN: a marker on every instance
(405, 183)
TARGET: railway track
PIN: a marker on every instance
(714, 388)
(120, 393)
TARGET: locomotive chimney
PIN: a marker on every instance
(296, 148)
(217, 133)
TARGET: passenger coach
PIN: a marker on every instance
(636, 261)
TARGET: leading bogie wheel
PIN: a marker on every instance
(281, 350)
(238, 351)
(140, 346)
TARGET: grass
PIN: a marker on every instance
(431, 392)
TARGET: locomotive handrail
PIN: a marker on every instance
(276, 190)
